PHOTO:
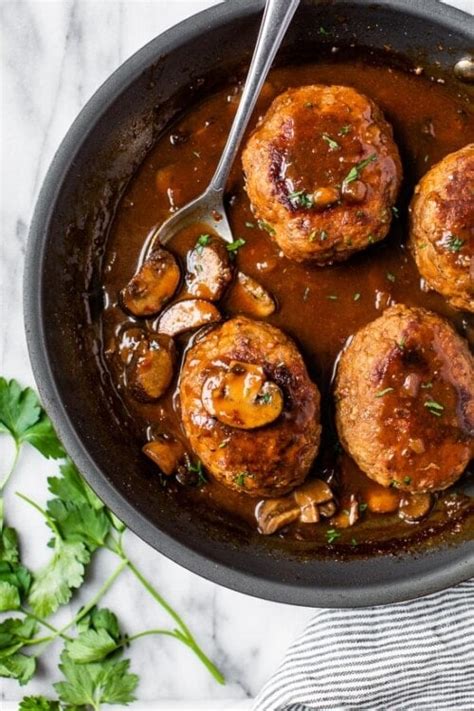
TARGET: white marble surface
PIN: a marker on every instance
(54, 55)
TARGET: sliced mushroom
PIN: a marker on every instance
(208, 268)
(242, 397)
(273, 514)
(133, 340)
(153, 285)
(414, 507)
(348, 516)
(187, 315)
(309, 513)
(166, 453)
(327, 510)
(315, 491)
(248, 296)
(151, 371)
(382, 500)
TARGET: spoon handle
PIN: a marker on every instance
(276, 18)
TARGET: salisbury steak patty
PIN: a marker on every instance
(249, 409)
(442, 227)
(323, 171)
(405, 400)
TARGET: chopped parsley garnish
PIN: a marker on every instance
(353, 542)
(371, 239)
(202, 241)
(345, 130)
(250, 225)
(434, 407)
(391, 277)
(356, 296)
(197, 469)
(308, 105)
(265, 398)
(323, 235)
(333, 145)
(381, 393)
(355, 171)
(323, 31)
(396, 211)
(362, 506)
(300, 198)
(454, 244)
(332, 535)
(401, 344)
(240, 478)
(427, 385)
(235, 245)
(407, 479)
(223, 444)
(265, 226)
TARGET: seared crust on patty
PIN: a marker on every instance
(269, 460)
(405, 400)
(442, 227)
(323, 170)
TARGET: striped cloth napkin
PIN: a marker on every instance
(411, 656)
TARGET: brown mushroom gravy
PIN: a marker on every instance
(319, 307)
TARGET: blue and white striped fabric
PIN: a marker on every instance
(412, 656)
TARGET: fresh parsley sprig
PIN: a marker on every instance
(80, 524)
(23, 418)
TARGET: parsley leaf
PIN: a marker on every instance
(72, 487)
(15, 582)
(53, 585)
(80, 523)
(18, 666)
(39, 703)
(14, 633)
(22, 416)
(235, 245)
(99, 636)
(9, 552)
(107, 682)
(354, 172)
(91, 646)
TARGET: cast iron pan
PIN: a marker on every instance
(62, 291)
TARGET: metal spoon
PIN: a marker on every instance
(209, 206)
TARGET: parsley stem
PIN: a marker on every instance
(44, 623)
(3, 483)
(98, 596)
(44, 513)
(133, 637)
(183, 634)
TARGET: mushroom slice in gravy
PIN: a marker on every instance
(151, 370)
(249, 297)
(414, 507)
(166, 453)
(187, 315)
(153, 285)
(208, 268)
(242, 397)
(273, 514)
